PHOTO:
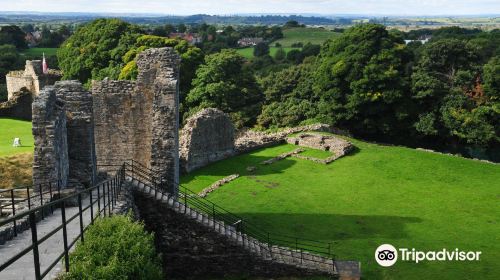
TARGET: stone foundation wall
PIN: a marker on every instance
(18, 106)
(80, 132)
(50, 162)
(208, 136)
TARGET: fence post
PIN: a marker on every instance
(81, 215)
(98, 201)
(185, 202)
(34, 240)
(41, 200)
(109, 199)
(13, 210)
(50, 197)
(91, 207)
(65, 236)
(29, 198)
(104, 198)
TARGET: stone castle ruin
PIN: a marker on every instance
(23, 86)
(78, 133)
(32, 78)
(208, 136)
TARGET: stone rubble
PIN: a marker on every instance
(282, 156)
(218, 184)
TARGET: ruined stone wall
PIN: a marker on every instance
(80, 132)
(122, 121)
(32, 78)
(139, 120)
(50, 162)
(159, 76)
(18, 106)
(208, 136)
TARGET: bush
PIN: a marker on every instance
(115, 248)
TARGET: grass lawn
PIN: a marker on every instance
(11, 128)
(248, 52)
(378, 194)
(305, 35)
(40, 51)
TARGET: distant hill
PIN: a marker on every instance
(12, 17)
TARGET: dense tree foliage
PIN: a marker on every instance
(222, 82)
(9, 60)
(96, 49)
(445, 93)
(191, 58)
(12, 35)
(261, 49)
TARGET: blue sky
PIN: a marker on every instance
(186, 7)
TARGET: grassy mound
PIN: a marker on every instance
(376, 195)
(10, 129)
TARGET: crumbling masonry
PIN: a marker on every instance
(129, 120)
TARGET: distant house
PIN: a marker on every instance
(247, 42)
(423, 40)
(30, 39)
(192, 38)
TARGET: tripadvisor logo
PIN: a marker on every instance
(387, 255)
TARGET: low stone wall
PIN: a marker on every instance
(218, 184)
(18, 106)
(282, 156)
(248, 140)
(208, 136)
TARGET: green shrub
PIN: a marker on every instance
(115, 248)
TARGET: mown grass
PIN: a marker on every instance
(40, 51)
(305, 35)
(248, 52)
(378, 194)
(10, 129)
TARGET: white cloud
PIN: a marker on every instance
(185, 7)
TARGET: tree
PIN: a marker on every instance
(294, 56)
(222, 82)
(181, 28)
(96, 49)
(261, 49)
(12, 35)
(491, 78)
(9, 60)
(362, 84)
(191, 58)
(280, 55)
(292, 23)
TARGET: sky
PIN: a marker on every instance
(226, 7)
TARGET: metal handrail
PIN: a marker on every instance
(189, 197)
(107, 192)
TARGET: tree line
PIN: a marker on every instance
(444, 93)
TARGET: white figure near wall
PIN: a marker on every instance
(17, 142)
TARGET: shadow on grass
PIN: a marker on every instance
(332, 227)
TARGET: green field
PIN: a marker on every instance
(39, 51)
(305, 35)
(9, 129)
(376, 195)
(248, 52)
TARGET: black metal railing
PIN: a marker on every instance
(217, 213)
(104, 194)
